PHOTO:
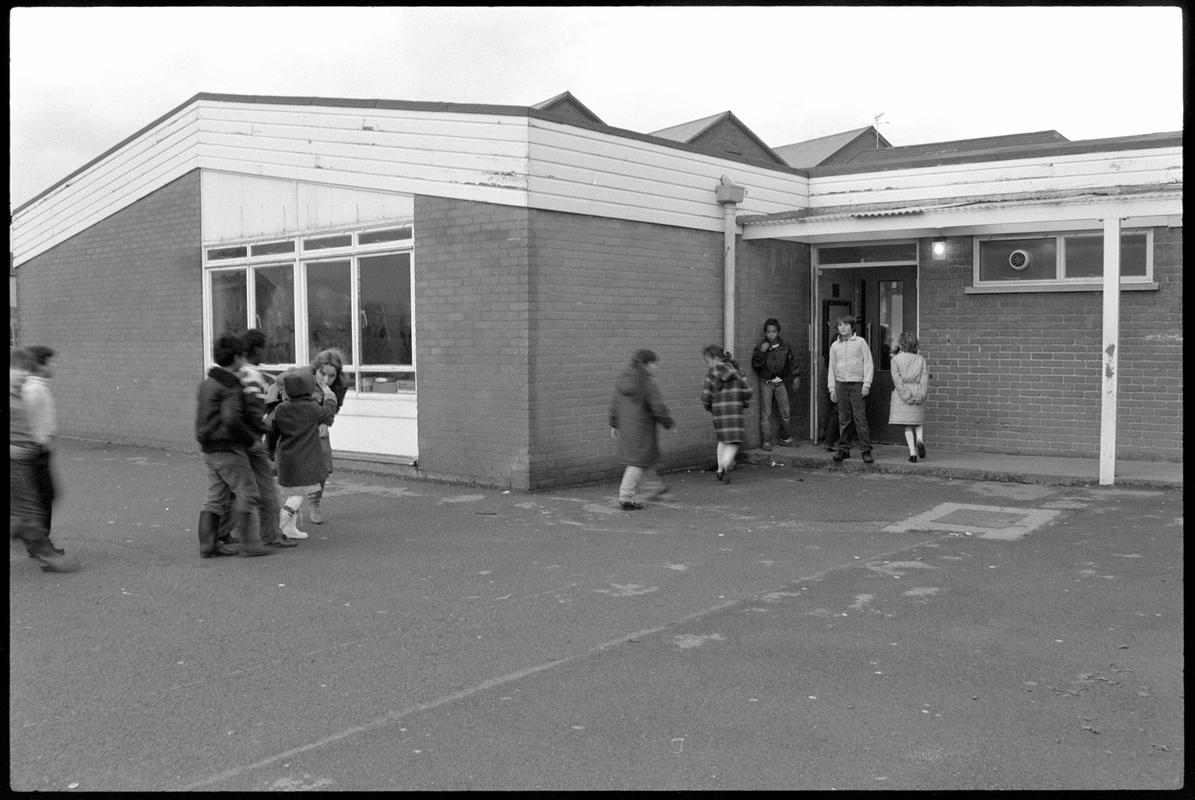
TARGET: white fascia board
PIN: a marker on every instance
(1149, 209)
(1080, 171)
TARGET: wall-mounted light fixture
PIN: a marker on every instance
(938, 248)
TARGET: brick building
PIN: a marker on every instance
(489, 269)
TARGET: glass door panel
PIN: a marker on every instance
(329, 308)
(229, 304)
(275, 312)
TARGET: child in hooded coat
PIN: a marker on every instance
(725, 394)
(636, 408)
(294, 436)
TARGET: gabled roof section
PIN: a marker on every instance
(687, 131)
(834, 147)
(999, 148)
(984, 146)
(568, 108)
(722, 135)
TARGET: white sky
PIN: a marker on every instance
(82, 79)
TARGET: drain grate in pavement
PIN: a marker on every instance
(986, 522)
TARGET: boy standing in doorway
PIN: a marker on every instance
(848, 377)
(774, 361)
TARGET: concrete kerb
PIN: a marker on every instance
(951, 471)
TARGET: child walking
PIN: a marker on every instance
(725, 395)
(910, 384)
(636, 409)
(294, 436)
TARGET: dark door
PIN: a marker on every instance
(884, 300)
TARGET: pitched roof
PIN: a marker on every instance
(569, 106)
(691, 132)
(688, 131)
(986, 145)
(813, 152)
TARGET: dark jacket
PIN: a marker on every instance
(778, 362)
(220, 415)
(294, 431)
(635, 409)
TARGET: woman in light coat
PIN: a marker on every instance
(910, 382)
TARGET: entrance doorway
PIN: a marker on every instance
(884, 301)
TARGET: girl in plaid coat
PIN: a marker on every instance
(725, 395)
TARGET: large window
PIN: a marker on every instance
(1060, 259)
(351, 291)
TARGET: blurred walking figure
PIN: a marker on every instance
(777, 367)
(27, 517)
(725, 395)
(635, 410)
(910, 385)
(43, 423)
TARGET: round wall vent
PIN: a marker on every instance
(1019, 260)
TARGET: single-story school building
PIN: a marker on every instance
(489, 269)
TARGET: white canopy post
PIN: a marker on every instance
(1110, 351)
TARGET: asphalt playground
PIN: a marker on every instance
(804, 627)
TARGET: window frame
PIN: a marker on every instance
(298, 260)
(1059, 282)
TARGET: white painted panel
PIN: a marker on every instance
(447, 139)
(372, 150)
(332, 206)
(26, 246)
(356, 169)
(1012, 218)
(1077, 172)
(484, 128)
(381, 183)
(243, 206)
(119, 179)
(588, 172)
(386, 425)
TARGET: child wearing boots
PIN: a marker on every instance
(225, 438)
(294, 437)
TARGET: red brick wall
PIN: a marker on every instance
(773, 281)
(1020, 373)
(525, 319)
(121, 303)
(471, 306)
(602, 289)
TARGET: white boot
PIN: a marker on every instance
(288, 521)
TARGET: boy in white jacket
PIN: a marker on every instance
(848, 377)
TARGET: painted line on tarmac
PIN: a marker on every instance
(394, 716)
(415, 709)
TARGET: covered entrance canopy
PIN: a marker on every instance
(1075, 200)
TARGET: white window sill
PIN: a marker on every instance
(1078, 286)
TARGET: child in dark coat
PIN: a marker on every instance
(294, 436)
